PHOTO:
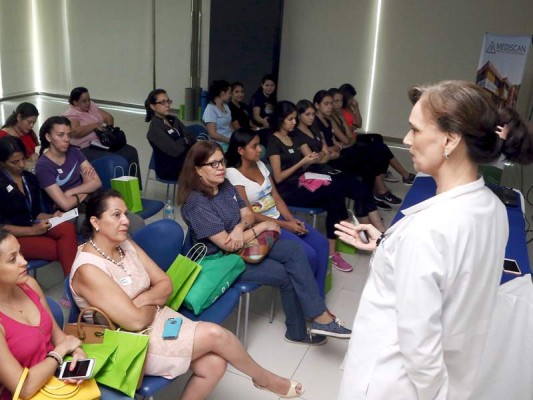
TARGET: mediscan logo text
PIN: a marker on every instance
(509, 48)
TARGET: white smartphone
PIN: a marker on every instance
(362, 234)
(82, 370)
(511, 267)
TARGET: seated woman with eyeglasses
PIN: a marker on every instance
(218, 217)
(86, 118)
(168, 136)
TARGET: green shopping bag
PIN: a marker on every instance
(101, 353)
(218, 273)
(124, 367)
(128, 186)
(183, 272)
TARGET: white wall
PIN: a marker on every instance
(419, 41)
(16, 57)
(105, 45)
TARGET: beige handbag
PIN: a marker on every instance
(87, 332)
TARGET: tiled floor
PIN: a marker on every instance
(316, 367)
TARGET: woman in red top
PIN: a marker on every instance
(29, 336)
(20, 123)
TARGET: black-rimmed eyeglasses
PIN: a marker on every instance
(215, 164)
(163, 102)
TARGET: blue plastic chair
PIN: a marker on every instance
(57, 312)
(199, 130)
(106, 167)
(33, 265)
(163, 240)
(312, 211)
(243, 289)
(168, 182)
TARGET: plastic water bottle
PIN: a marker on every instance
(169, 210)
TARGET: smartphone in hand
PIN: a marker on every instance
(82, 370)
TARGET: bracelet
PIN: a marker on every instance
(56, 357)
(255, 234)
(245, 223)
(77, 199)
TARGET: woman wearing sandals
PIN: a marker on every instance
(115, 275)
(29, 335)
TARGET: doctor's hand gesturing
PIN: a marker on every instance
(350, 234)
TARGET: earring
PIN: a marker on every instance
(97, 229)
(446, 154)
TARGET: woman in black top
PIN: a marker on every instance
(21, 213)
(289, 164)
(263, 102)
(167, 135)
(368, 161)
(309, 141)
(239, 111)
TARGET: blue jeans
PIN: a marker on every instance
(316, 247)
(286, 268)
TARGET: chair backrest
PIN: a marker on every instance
(199, 130)
(57, 312)
(74, 310)
(162, 240)
(109, 167)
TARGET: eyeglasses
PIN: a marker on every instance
(163, 102)
(215, 164)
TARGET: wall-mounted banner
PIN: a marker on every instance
(501, 66)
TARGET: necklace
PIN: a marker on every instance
(119, 264)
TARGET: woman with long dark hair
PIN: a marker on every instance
(21, 213)
(20, 124)
(217, 115)
(251, 178)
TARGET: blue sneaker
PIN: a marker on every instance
(335, 329)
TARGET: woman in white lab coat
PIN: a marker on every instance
(425, 309)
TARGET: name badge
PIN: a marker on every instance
(291, 151)
(126, 281)
(9, 188)
(59, 171)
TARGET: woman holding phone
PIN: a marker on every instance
(29, 335)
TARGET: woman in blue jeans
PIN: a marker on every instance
(218, 217)
(251, 178)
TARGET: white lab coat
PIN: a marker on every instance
(426, 306)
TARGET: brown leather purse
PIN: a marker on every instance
(89, 332)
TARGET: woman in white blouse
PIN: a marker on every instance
(424, 312)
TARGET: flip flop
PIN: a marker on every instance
(291, 393)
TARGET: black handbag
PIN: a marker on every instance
(112, 137)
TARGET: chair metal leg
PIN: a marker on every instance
(168, 189)
(146, 180)
(238, 327)
(272, 305)
(314, 221)
(246, 314)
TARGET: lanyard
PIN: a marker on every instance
(27, 193)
